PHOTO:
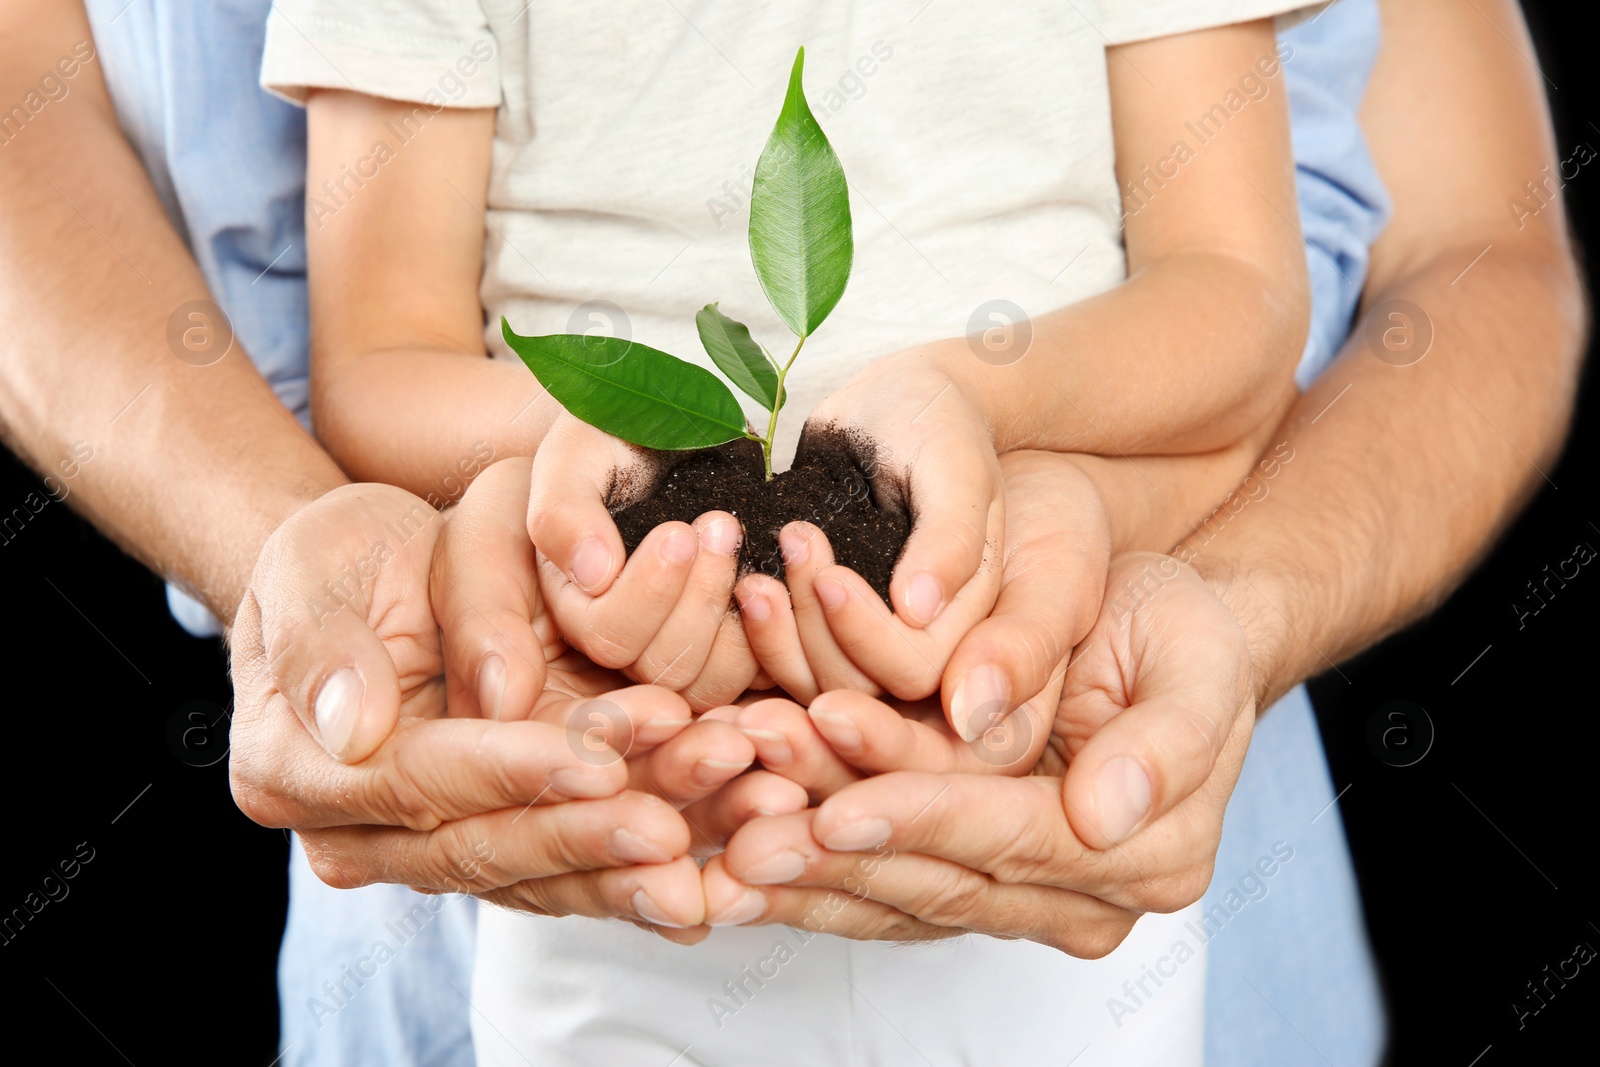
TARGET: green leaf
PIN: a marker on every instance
(731, 348)
(800, 216)
(632, 391)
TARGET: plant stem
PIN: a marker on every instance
(777, 404)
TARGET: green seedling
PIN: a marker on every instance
(801, 245)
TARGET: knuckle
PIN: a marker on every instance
(258, 806)
(606, 645)
(458, 861)
(677, 673)
(327, 864)
(1194, 743)
(958, 902)
(1029, 858)
(1097, 939)
(911, 680)
(898, 926)
(400, 796)
(524, 896)
(1172, 891)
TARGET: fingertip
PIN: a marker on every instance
(719, 533)
(586, 780)
(351, 722)
(670, 895)
(980, 700)
(830, 592)
(593, 564)
(802, 543)
(728, 901)
(835, 725)
(492, 687)
(1109, 803)
(923, 599)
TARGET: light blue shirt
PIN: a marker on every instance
(229, 163)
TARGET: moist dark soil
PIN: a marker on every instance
(829, 486)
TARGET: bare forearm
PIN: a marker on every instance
(1408, 460)
(428, 421)
(1191, 355)
(192, 467)
(1400, 477)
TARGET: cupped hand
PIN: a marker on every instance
(987, 664)
(1123, 816)
(340, 728)
(662, 615)
(926, 450)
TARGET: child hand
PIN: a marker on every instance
(926, 449)
(661, 615)
(1051, 574)
(932, 455)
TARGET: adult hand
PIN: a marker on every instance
(1125, 816)
(340, 731)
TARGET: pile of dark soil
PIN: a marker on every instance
(828, 486)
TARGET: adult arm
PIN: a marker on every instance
(192, 467)
(1402, 484)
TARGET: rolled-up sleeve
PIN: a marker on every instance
(435, 52)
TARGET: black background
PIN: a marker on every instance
(1476, 862)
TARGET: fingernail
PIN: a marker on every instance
(1124, 796)
(980, 702)
(678, 547)
(924, 598)
(492, 686)
(658, 730)
(651, 912)
(590, 563)
(756, 607)
(786, 866)
(859, 835)
(794, 548)
(629, 847)
(337, 709)
(838, 730)
(582, 783)
(720, 536)
(709, 772)
(831, 592)
(773, 746)
(746, 909)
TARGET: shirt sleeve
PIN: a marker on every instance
(1126, 21)
(435, 52)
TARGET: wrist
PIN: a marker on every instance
(955, 366)
(224, 598)
(1258, 599)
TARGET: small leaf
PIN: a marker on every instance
(632, 391)
(800, 237)
(731, 348)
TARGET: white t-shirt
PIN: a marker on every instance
(976, 137)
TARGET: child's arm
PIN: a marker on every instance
(1191, 355)
(1199, 345)
(402, 389)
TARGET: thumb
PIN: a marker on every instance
(313, 590)
(486, 599)
(575, 473)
